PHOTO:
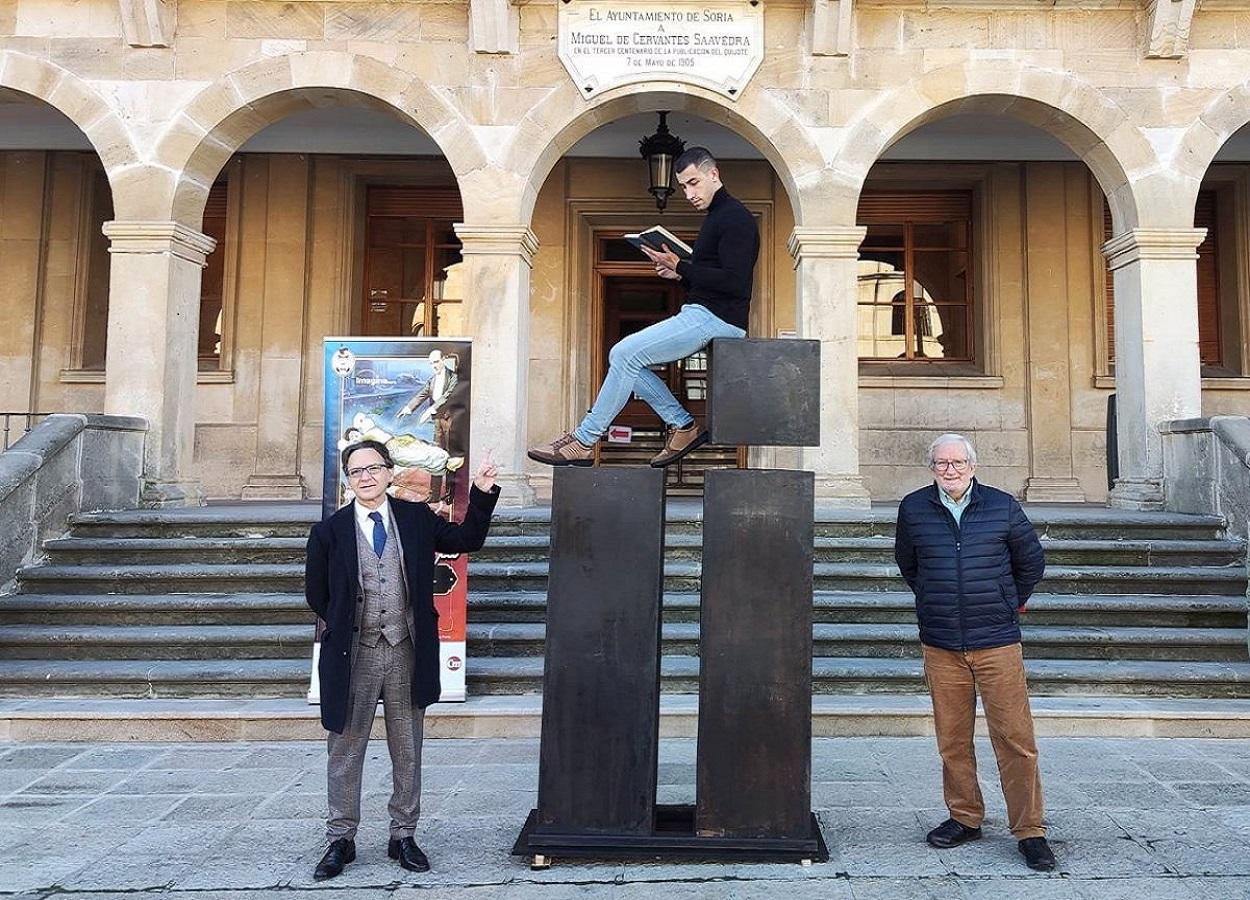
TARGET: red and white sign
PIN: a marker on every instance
(620, 434)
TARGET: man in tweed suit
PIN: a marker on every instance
(370, 577)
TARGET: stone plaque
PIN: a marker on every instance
(614, 42)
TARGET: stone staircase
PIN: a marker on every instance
(208, 602)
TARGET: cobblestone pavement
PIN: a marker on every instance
(1129, 818)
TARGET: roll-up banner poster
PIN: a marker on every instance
(412, 394)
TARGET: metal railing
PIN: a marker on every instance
(13, 421)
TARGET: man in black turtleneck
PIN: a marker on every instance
(717, 278)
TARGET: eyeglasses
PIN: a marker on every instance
(374, 471)
(941, 465)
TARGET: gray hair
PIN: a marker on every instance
(949, 438)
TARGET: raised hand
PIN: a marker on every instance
(484, 480)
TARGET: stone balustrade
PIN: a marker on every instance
(64, 465)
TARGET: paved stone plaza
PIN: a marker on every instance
(1156, 818)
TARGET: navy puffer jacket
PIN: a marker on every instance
(971, 579)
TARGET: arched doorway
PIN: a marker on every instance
(333, 214)
(605, 289)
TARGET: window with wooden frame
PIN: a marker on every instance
(213, 279)
(915, 286)
(414, 275)
(1210, 344)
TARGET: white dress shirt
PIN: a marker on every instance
(365, 524)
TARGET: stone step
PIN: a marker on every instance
(860, 675)
(251, 678)
(156, 642)
(155, 609)
(1086, 551)
(118, 551)
(680, 547)
(902, 640)
(177, 578)
(532, 576)
(120, 719)
(1141, 610)
(1059, 521)
(516, 639)
(258, 679)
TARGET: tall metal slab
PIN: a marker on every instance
(764, 393)
(753, 763)
(601, 684)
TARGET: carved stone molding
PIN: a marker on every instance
(1153, 243)
(829, 23)
(127, 236)
(825, 243)
(1168, 22)
(497, 240)
(494, 26)
(149, 23)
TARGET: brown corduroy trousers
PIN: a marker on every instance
(955, 678)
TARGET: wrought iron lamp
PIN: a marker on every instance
(660, 150)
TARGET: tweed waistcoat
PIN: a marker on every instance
(384, 611)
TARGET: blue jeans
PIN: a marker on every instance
(666, 341)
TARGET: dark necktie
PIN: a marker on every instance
(379, 533)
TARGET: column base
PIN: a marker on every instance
(515, 491)
(842, 491)
(1042, 489)
(165, 494)
(274, 487)
(1136, 493)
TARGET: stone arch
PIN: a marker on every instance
(78, 102)
(563, 118)
(1078, 114)
(222, 117)
(1224, 116)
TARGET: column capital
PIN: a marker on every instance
(497, 240)
(825, 242)
(156, 237)
(1153, 243)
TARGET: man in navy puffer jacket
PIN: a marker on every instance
(972, 558)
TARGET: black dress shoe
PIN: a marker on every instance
(341, 852)
(1037, 854)
(409, 854)
(951, 834)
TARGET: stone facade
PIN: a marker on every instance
(165, 101)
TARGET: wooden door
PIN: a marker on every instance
(630, 305)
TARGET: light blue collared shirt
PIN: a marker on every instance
(956, 507)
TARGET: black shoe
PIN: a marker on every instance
(409, 854)
(341, 852)
(1037, 854)
(951, 834)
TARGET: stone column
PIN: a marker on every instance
(277, 475)
(150, 365)
(497, 260)
(826, 261)
(1050, 243)
(1157, 373)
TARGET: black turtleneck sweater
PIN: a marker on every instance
(719, 272)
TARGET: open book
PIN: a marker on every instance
(657, 237)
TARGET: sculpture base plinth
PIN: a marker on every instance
(673, 838)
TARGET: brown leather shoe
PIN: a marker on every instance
(679, 442)
(565, 450)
